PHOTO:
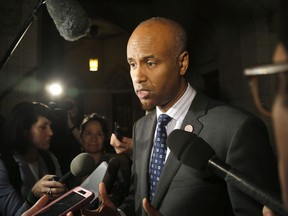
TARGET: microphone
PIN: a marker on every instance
(111, 174)
(82, 165)
(69, 18)
(194, 152)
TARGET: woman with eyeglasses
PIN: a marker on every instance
(27, 167)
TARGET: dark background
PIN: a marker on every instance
(225, 37)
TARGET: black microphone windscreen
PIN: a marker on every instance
(83, 164)
(69, 17)
(111, 173)
(190, 149)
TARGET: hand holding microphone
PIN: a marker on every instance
(46, 185)
(82, 165)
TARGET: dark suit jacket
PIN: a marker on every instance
(238, 138)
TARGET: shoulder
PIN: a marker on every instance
(220, 112)
(7, 169)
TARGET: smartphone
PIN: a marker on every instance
(72, 200)
(117, 131)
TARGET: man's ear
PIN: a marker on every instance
(183, 61)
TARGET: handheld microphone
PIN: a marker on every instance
(69, 18)
(82, 165)
(194, 152)
(111, 174)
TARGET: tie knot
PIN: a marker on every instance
(163, 119)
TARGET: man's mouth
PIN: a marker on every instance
(143, 93)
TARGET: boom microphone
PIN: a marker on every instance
(194, 152)
(69, 17)
(82, 165)
(111, 174)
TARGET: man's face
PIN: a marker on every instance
(155, 69)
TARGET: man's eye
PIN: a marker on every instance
(151, 64)
(132, 65)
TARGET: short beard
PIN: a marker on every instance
(147, 107)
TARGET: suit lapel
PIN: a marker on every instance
(197, 109)
(147, 144)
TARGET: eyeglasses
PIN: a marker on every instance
(254, 74)
(93, 116)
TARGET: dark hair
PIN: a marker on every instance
(19, 121)
(101, 119)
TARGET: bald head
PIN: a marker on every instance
(164, 30)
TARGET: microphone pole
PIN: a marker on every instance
(21, 33)
(242, 183)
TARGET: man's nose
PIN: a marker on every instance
(138, 74)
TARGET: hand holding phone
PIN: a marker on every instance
(117, 131)
(72, 200)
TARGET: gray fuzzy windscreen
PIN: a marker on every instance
(69, 17)
(83, 164)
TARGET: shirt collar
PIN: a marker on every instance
(181, 106)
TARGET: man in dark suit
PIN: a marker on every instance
(158, 60)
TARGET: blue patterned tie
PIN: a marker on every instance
(159, 153)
